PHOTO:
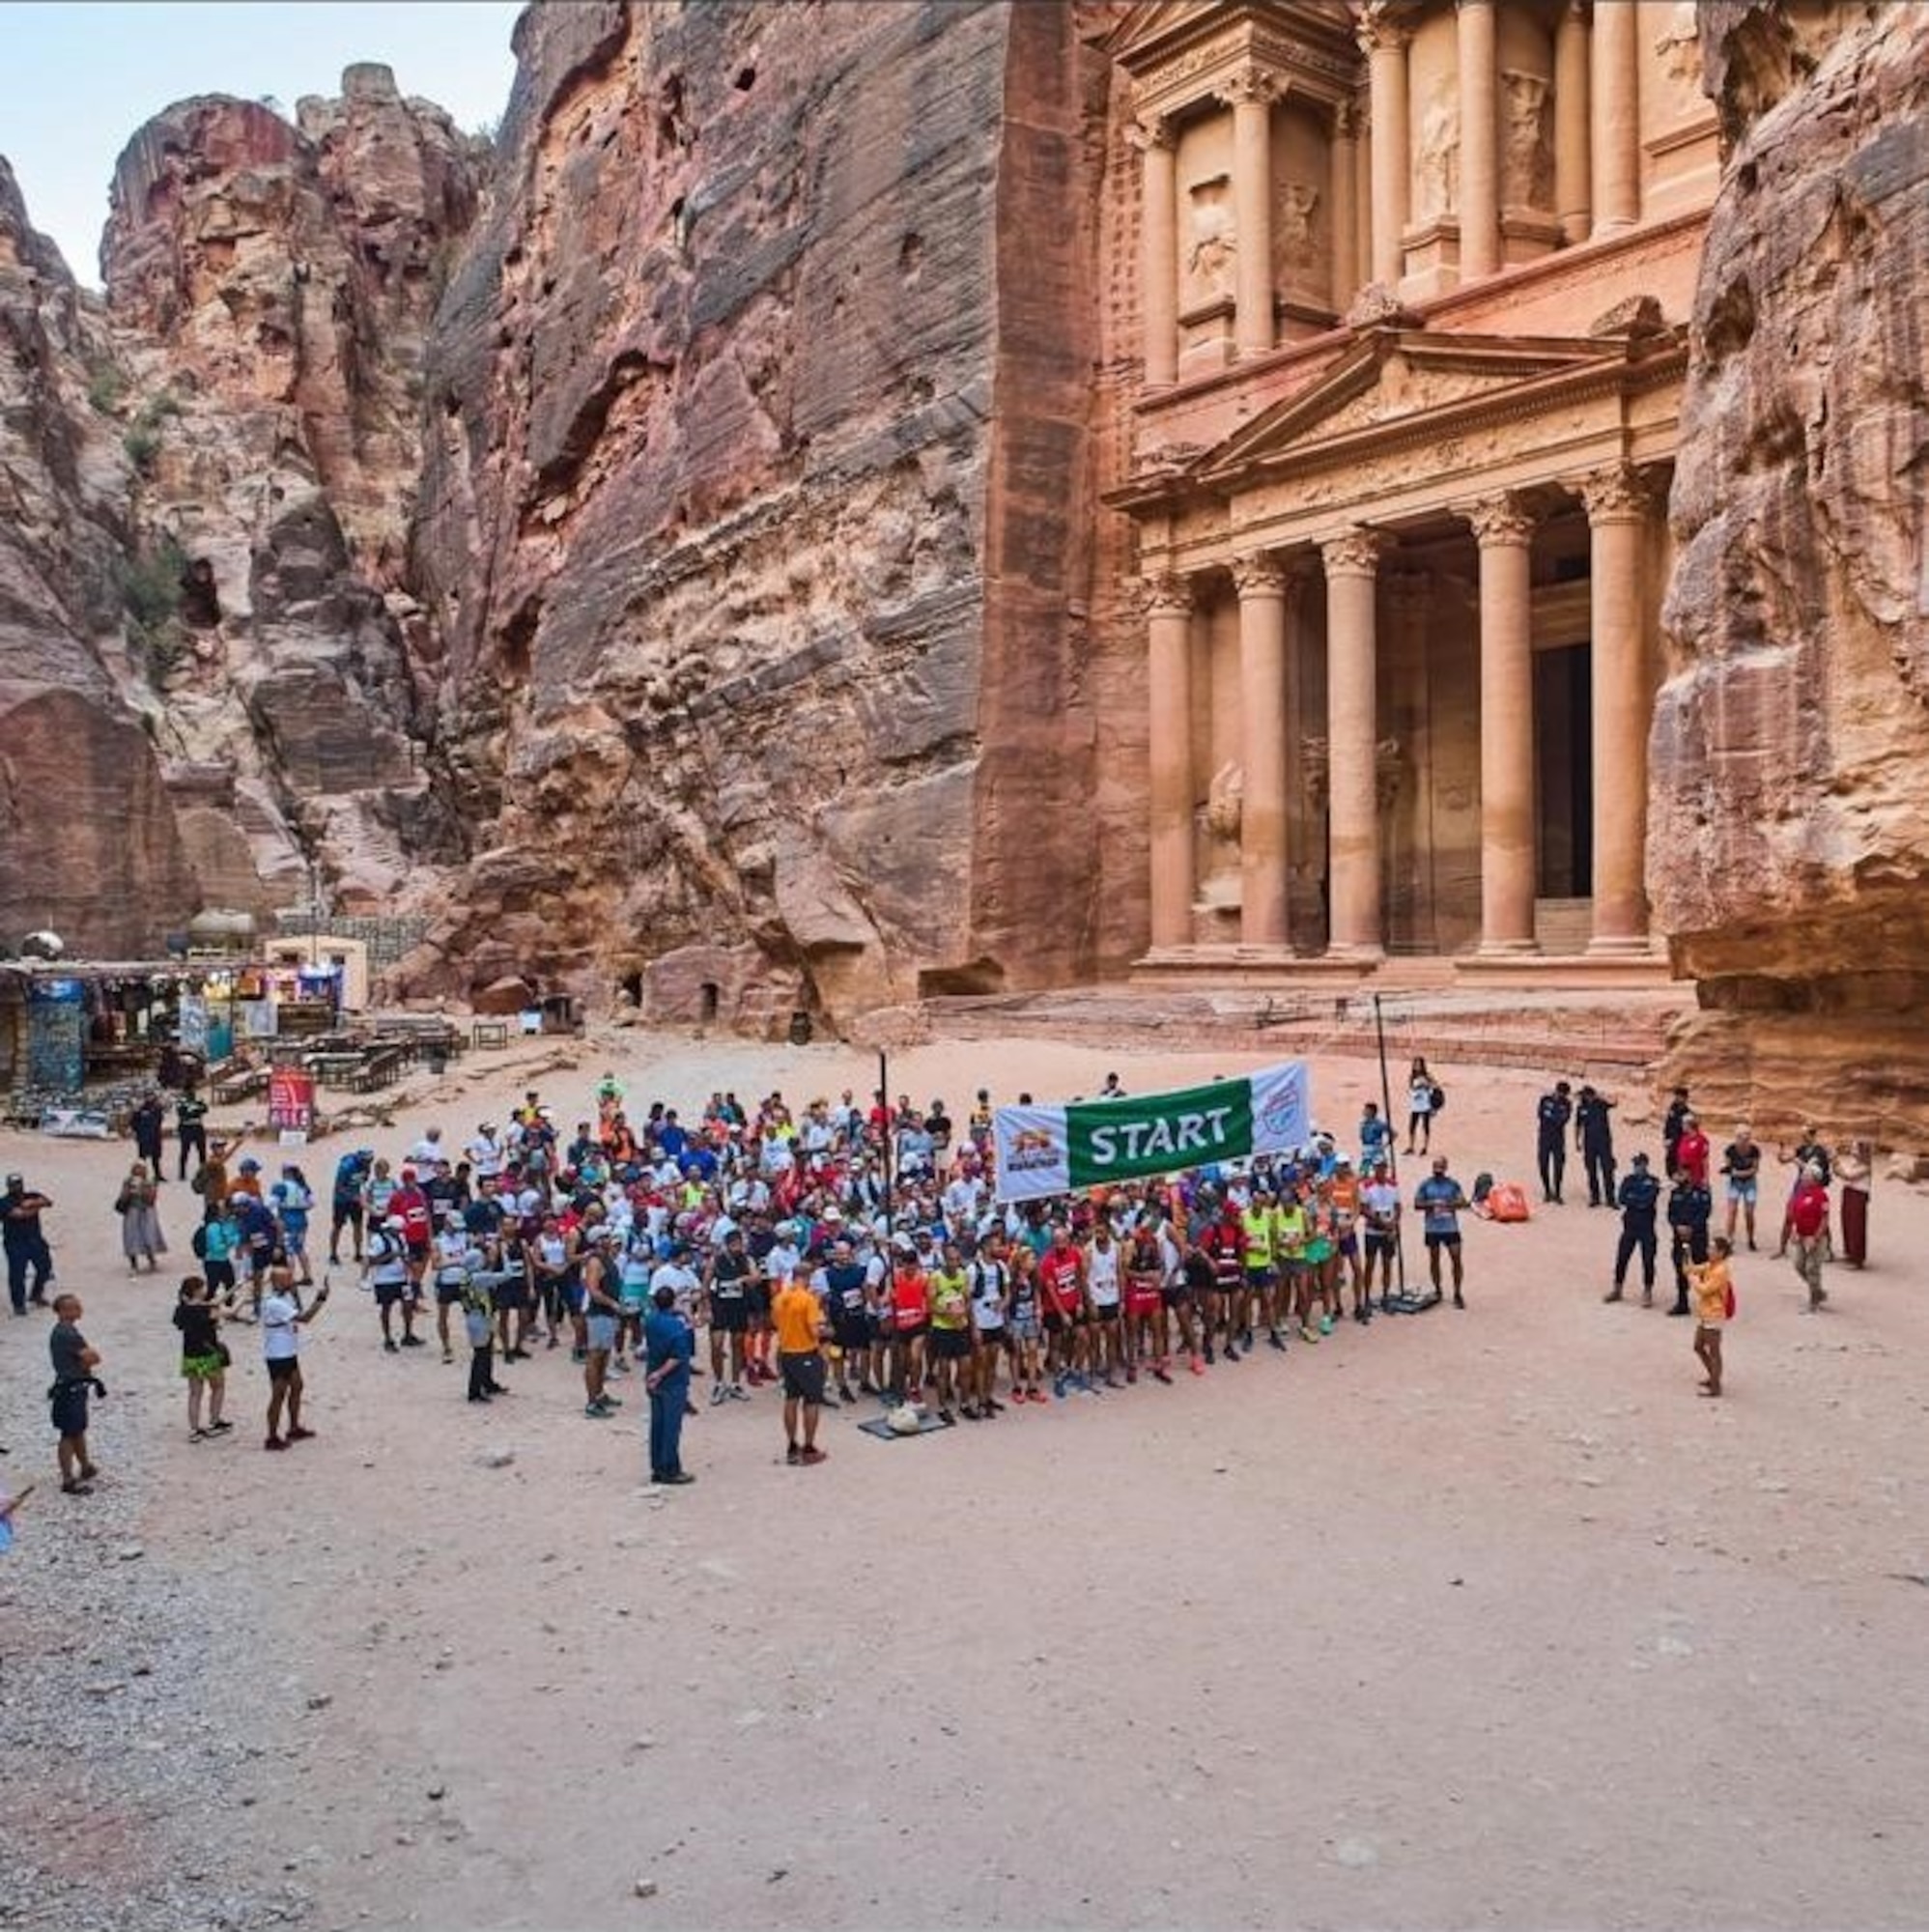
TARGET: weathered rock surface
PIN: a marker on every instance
(755, 523)
(91, 847)
(1791, 747)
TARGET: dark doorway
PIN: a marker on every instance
(1564, 762)
(710, 998)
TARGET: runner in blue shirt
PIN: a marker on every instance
(1440, 1201)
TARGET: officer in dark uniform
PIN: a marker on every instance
(1639, 1200)
(1689, 1207)
(1594, 1136)
(1554, 1112)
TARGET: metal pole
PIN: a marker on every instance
(1392, 1155)
(884, 1102)
(314, 913)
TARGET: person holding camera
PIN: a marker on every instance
(282, 1321)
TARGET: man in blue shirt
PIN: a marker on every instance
(670, 1345)
(1440, 1203)
(1640, 1194)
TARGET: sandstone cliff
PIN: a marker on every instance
(756, 514)
(1791, 746)
(271, 285)
(88, 843)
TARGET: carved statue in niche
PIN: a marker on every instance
(1294, 225)
(1436, 155)
(1527, 145)
(1679, 46)
(1221, 816)
(1210, 255)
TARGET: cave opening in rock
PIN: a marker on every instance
(709, 998)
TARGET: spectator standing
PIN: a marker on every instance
(1854, 1164)
(670, 1346)
(29, 1259)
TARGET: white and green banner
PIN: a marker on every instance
(1053, 1150)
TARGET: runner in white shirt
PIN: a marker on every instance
(451, 1262)
(282, 1321)
(676, 1275)
(990, 1282)
(1104, 1286)
(485, 1154)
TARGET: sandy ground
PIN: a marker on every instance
(1474, 1619)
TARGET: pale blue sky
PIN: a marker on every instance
(77, 80)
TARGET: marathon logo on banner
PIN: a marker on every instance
(1046, 1150)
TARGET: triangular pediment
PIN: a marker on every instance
(1154, 29)
(1393, 377)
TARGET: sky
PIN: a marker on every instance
(77, 78)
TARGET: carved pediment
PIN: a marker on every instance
(1393, 377)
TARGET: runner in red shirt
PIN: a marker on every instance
(1691, 1150)
(909, 1319)
(1224, 1244)
(1061, 1281)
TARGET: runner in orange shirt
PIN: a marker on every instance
(798, 1319)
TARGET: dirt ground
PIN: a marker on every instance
(1472, 1619)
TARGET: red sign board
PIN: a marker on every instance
(290, 1099)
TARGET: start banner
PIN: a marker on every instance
(1053, 1150)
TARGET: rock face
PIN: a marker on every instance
(1791, 746)
(755, 520)
(89, 845)
(272, 286)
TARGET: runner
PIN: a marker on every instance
(388, 1265)
(204, 1357)
(1147, 1337)
(282, 1321)
(910, 1319)
(1440, 1203)
(799, 1325)
(727, 1280)
(1062, 1296)
(1027, 1326)
(1105, 1289)
(990, 1280)
(951, 1328)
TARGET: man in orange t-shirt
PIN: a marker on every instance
(800, 1363)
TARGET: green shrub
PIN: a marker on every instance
(107, 390)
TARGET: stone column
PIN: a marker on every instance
(1617, 508)
(1384, 41)
(1571, 177)
(1159, 259)
(1616, 120)
(1352, 743)
(1505, 533)
(1169, 637)
(1343, 199)
(1261, 588)
(1480, 141)
(1250, 93)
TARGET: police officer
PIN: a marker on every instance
(1554, 1112)
(669, 1346)
(1638, 1199)
(26, 1243)
(1594, 1137)
(1689, 1207)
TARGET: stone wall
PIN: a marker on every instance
(1791, 741)
(756, 520)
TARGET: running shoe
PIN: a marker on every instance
(1308, 1334)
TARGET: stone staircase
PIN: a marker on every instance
(1611, 1033)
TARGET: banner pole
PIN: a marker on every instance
(1392, 1156)
(884, 1102)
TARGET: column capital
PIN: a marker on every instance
(1150, 132)
(1257, 573)
(1170, 594)
(1379, 29)
(1499, 521)
(1616, 494)
(1355, 552)
(1250, 83)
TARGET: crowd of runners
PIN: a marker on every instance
(845, 1255)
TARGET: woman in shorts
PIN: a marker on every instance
(1146, 1334)
(204, 1357)
(1714, 1286)
(1025, 1325)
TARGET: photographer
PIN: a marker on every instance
(26, 1243)
(282, 1321)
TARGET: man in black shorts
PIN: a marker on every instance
(73, 1366)
(728, 1281)
(799, 1366)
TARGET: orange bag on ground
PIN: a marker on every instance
(1507, 1201)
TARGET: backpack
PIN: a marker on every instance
(1439, 1099)
(198, 1241)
